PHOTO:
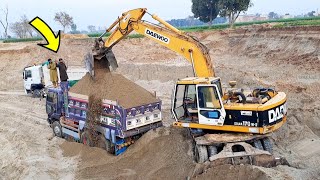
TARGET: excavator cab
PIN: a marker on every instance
(199, 100)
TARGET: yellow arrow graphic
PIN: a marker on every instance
(53, 42)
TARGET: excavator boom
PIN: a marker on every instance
(165, 34)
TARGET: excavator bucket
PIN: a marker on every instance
(100, 53)
(111, 59)
(89, 63)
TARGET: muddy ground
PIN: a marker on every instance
(287, 59)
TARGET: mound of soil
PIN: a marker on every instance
(112, 86)
(163, 153)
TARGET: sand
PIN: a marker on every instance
(113, 86)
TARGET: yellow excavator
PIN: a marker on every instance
(227, 125)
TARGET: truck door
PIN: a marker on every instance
(27, 79)
(210, 106)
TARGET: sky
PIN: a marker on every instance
(101, 13)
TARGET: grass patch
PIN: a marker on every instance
(14, 40)
(309, 21)
(95, 35)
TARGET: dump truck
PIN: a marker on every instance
(119, 124)
(227, 124)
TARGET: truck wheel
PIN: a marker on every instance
(267, 145)
(201, 153)
(57, 129)
(36, 93)
(257, 144)
(85, 139)
(105, 144)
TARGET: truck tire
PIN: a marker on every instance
(257, 144)
(85, 139)
(201, 153)
(105, 144)
(267, 145)
(36, 93)
(57, 129)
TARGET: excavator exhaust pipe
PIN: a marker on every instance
(100, 53)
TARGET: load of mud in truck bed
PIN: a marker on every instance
(113, 86)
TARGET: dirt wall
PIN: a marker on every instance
(285, 59)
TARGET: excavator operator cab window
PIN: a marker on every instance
(208, 98)
(185, 102)
(211, 110)
(190, 96)
(217, 82)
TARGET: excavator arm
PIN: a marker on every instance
(164, 34)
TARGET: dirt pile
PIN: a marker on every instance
(163, 153)
(112, 86)
(241, 172)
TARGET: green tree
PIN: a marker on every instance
(205, 10)
(273, 15)
(311, 14)
(74, 29)
(232, 9)
(64, 19)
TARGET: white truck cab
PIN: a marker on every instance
(33, 78)
(37, 78)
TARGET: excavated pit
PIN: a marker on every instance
(287, 59)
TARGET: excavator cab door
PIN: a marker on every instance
(210, 106)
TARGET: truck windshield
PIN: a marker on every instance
(27, 74)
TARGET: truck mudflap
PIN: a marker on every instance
(142, 129)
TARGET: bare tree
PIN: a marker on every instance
(18, 29)
(64, 19)
(92, 28)
(28, 28)
(5, 23)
